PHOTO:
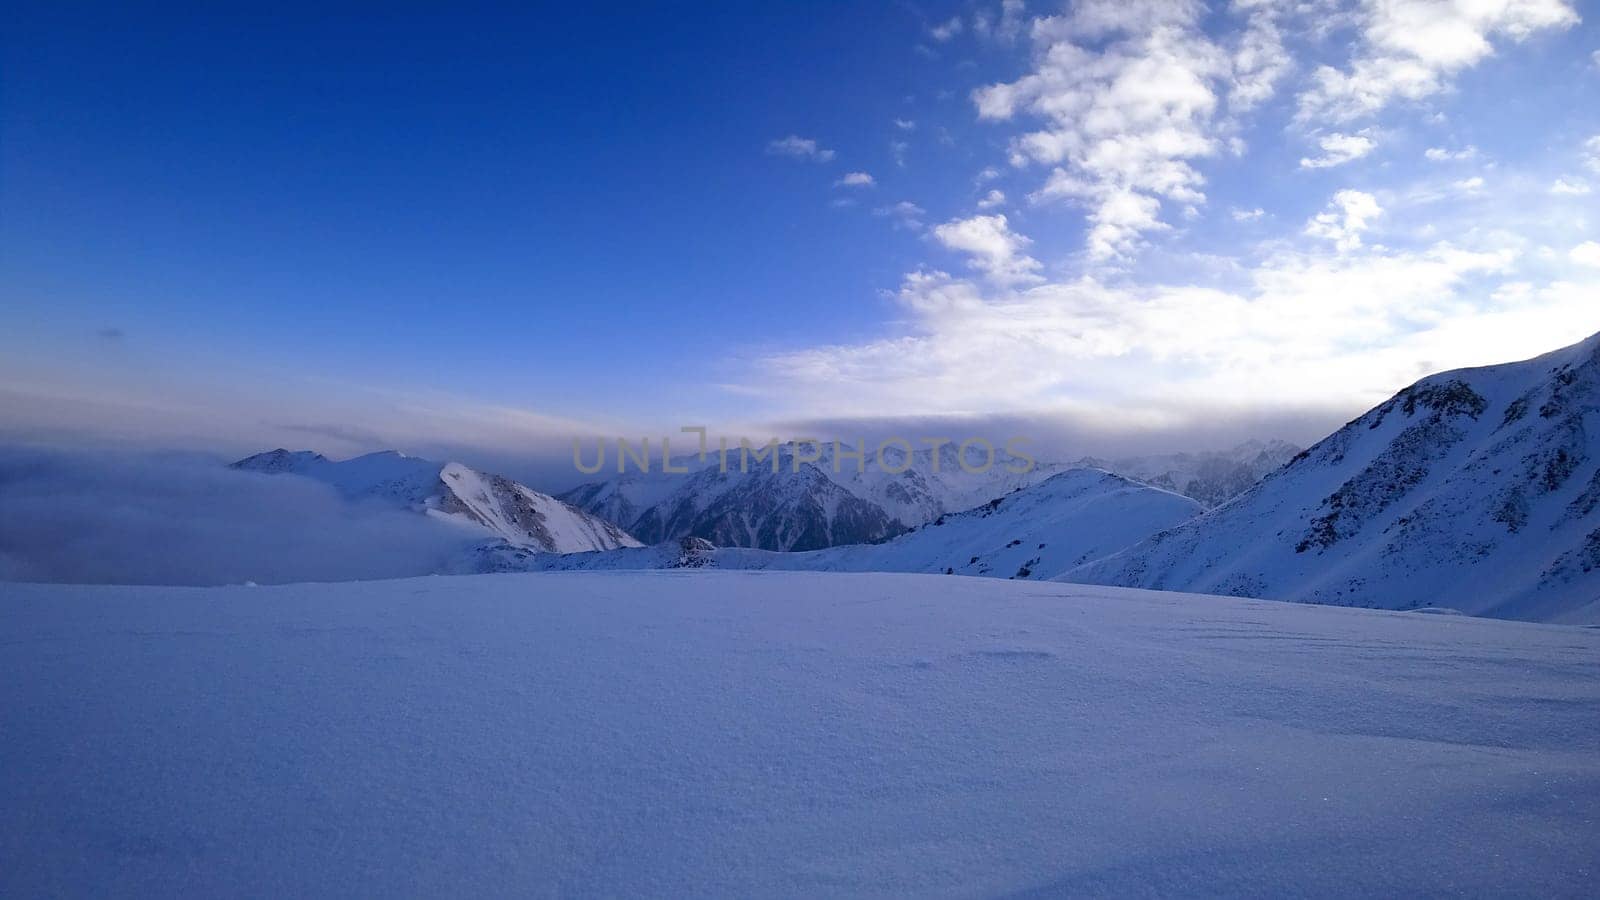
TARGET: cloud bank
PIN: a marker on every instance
(94, 518)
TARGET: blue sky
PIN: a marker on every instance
(495, 230)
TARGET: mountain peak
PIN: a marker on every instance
(512, 512)
(1476, 489)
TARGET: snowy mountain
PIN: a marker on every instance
(1476, 490)
(1211, 477)
(518, 515)
(1035, 532)
(763, 734)
(805, 504)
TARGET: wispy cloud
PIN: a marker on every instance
(946, 30)
(1002, 26)
(797, 147)
(855, 179)
(1338, 149)
(1410, 49)
(904, 214)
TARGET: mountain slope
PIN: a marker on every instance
(520, 516)
(1477, 490)
(1034, 532)
(784, 510)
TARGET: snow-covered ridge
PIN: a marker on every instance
(515, 513)
(831, 502)
(1034, 532)
(1213, 477)
(1474, 490)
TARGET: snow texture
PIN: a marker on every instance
(798, 734)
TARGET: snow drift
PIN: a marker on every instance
(758, 734)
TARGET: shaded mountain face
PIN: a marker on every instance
(802, 510)
(804, 505)
(1210, 477)
(1034, 532)
(512, 512)
(1476, 490)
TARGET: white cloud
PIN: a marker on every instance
(994, 248)
(1120, 107)
(1338, 149)
(1349, 214)
(1260, 59)
(1004, 27)
(898, 150)
(1409, 49)
(905, 124)
(1125, 113)
(905, 214)
(797, 147)
(855, 179)
(1304, 330)
(946, 30)
(1586, 254)
(137, 518)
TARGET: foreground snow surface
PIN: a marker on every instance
(743, 733)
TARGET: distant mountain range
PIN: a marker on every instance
(1477, 490)
(1035, 532)
(828, 503)
(1211, 477)
(515, 514)
(804, 505)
